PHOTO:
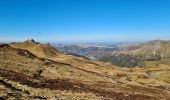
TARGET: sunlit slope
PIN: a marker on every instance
(47, 51)
(105, 69)
(41, 50)
(63, 76)
(136, 55)
(157, 48)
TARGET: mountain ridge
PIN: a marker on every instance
(62, 76)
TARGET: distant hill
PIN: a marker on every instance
(41, 50)
(136, 55)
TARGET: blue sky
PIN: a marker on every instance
(84, 20)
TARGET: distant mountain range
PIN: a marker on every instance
(128, 54)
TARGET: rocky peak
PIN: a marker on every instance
(31, 41)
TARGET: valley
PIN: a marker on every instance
(127, 54)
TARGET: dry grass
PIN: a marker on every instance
(69, 77)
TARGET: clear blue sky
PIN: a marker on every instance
(84, 20)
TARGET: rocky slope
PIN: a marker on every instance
(28, 72)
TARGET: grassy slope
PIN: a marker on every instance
(86, 79)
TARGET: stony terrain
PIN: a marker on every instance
(30, 70)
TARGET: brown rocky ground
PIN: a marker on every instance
(27, 73)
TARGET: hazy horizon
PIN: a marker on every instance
(107, 42)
